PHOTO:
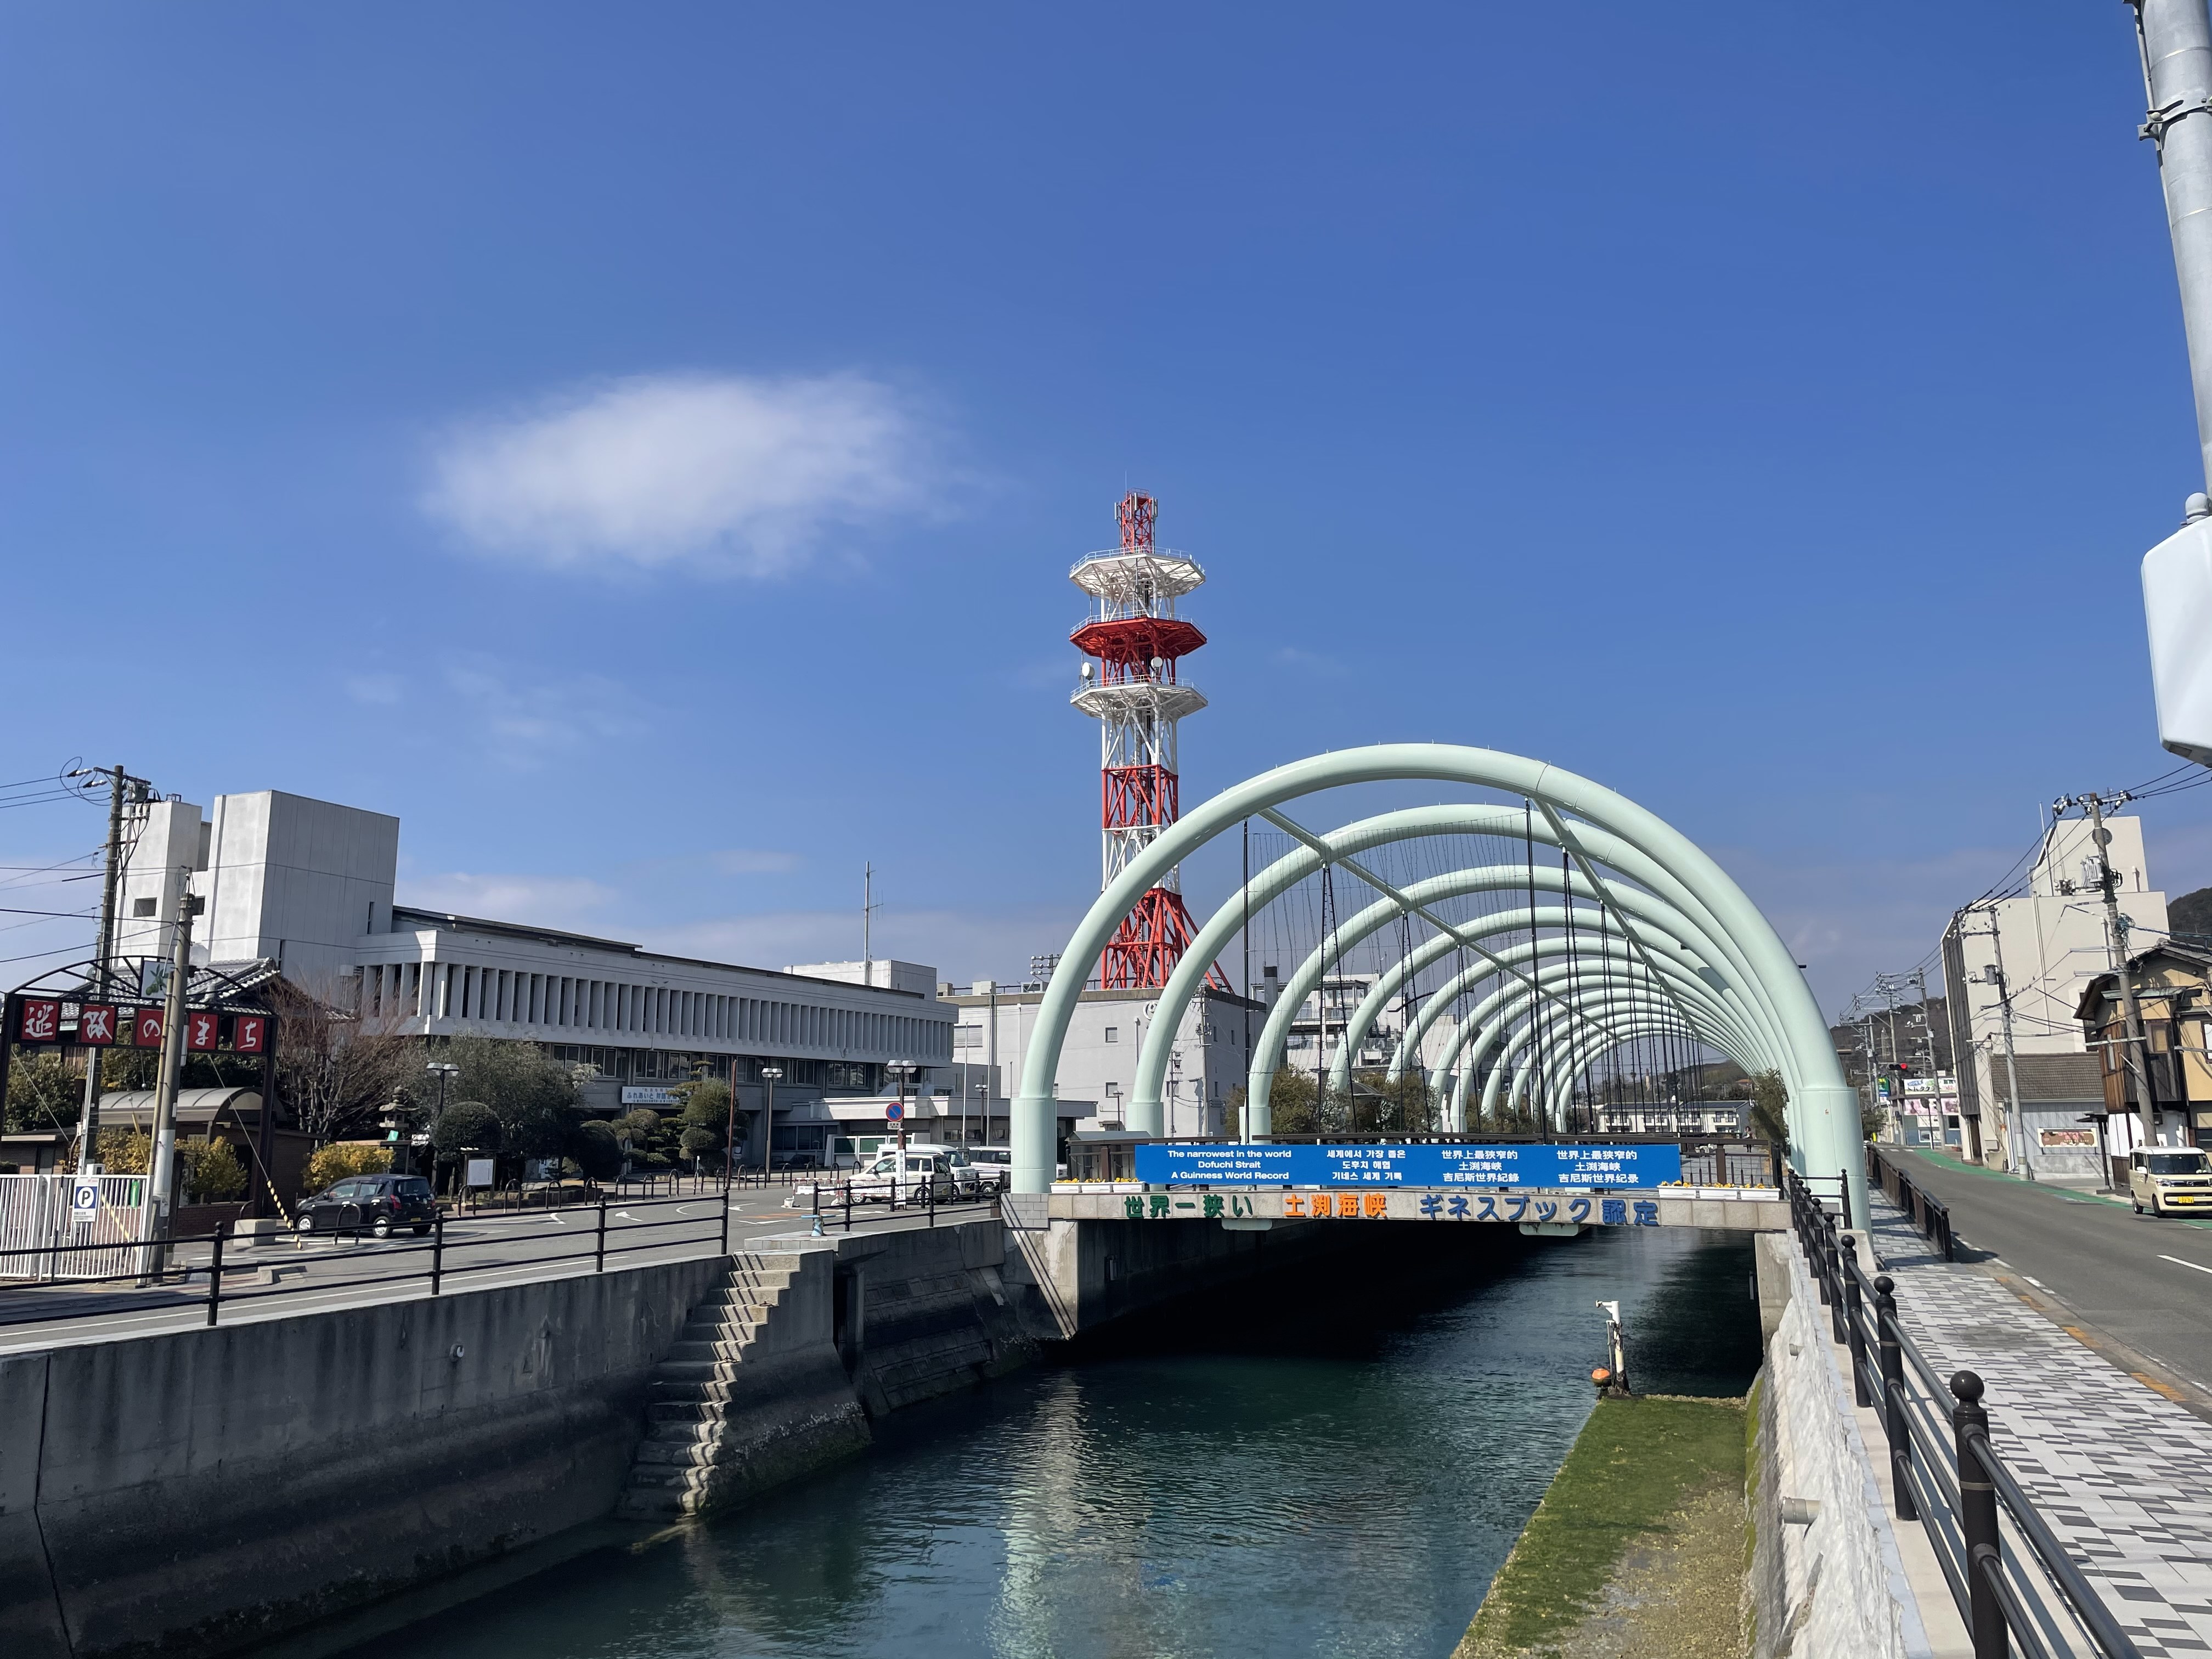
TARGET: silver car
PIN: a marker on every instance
(907, 1177)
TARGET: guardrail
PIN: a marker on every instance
(163, 1269)
(841, 1201)
(1928, 1214)
(2011, 1578)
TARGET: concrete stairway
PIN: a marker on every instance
(752, 1392)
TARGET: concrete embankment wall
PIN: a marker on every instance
(1836, 1583)
(192, 1492)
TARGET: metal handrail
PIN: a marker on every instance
(610, 1236)
(1960, 1491)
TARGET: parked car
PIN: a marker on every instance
(2169, 1181)
(376, 1204)
(886, 1182)
(995, 1166)
(969, 1178)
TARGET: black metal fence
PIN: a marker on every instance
(838, 1204)
(1928, 1214)
(2010, 1576)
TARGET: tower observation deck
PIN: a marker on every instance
(1132, 640)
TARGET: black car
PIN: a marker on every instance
(378, 1204)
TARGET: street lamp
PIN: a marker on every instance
(903, 1069)
(443, 1070)
(769, 1075)
(982, 1111)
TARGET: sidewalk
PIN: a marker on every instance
(2121, 1474)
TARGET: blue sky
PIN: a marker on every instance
(643, 447)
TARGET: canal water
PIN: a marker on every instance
(1336, 1468)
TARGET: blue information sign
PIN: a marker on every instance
(1612, 1165)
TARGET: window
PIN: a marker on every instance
(966, 1036)
(1113, 1033)
(1113, 1091)
(143, 907)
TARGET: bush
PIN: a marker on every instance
(333, 1163)
(596, 1153)
(212, 1173)
(125, 1151)
(699, 1139)
(466, 1126)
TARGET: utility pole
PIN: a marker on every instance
(2018, 1138)
(2116, 942)
(868, 908)
(153, 1225)
(118, 782)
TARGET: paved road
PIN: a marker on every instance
(480, 1251)
(2145, 1281)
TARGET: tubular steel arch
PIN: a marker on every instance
(1608, 828)
(1724, 967)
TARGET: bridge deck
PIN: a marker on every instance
(1737, 1209)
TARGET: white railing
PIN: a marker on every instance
(35, 1215)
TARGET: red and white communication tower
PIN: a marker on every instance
(1132, 693)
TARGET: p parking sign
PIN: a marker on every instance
(84, 1198)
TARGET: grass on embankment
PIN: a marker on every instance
(1637, 1471)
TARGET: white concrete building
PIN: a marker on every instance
(1099, 1062)
(308, 885)
(2051, 938)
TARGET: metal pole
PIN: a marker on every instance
(1854, 1316)
(215, 1279)
(2176, 42)
(2012, 1071)
(161, 1165)
(1978, 1518)
(88, 1135)
(2115, 932)
(1895, 1427)
(437, 1252)
(264, 1200)
(600, 1251)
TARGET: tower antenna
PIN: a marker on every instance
(1134, 691)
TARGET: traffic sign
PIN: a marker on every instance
(894, 1111)
(84, 1198)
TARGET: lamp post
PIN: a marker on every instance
(444, 1071)
(769, 1075)
(903, 1069)
(983, 1110)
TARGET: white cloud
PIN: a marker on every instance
(543, 901)
(526, 725)
(373, 690)
(731, 474)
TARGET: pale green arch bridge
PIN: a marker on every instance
(1650, 936)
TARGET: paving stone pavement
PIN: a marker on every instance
(2121, 1474)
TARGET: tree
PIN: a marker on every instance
(332, 1163)
(1770, 1101)
(1293, 1103)
(211, 1171)
(533, 1094)
(595, 1149)
(705, 1118)
(46, 1093)
(339, 1070)
(649, 1136)
(1380, 1106)
(125, 1151)
(466, 1126)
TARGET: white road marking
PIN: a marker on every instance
(2034, 1280)
(2178, 1262)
